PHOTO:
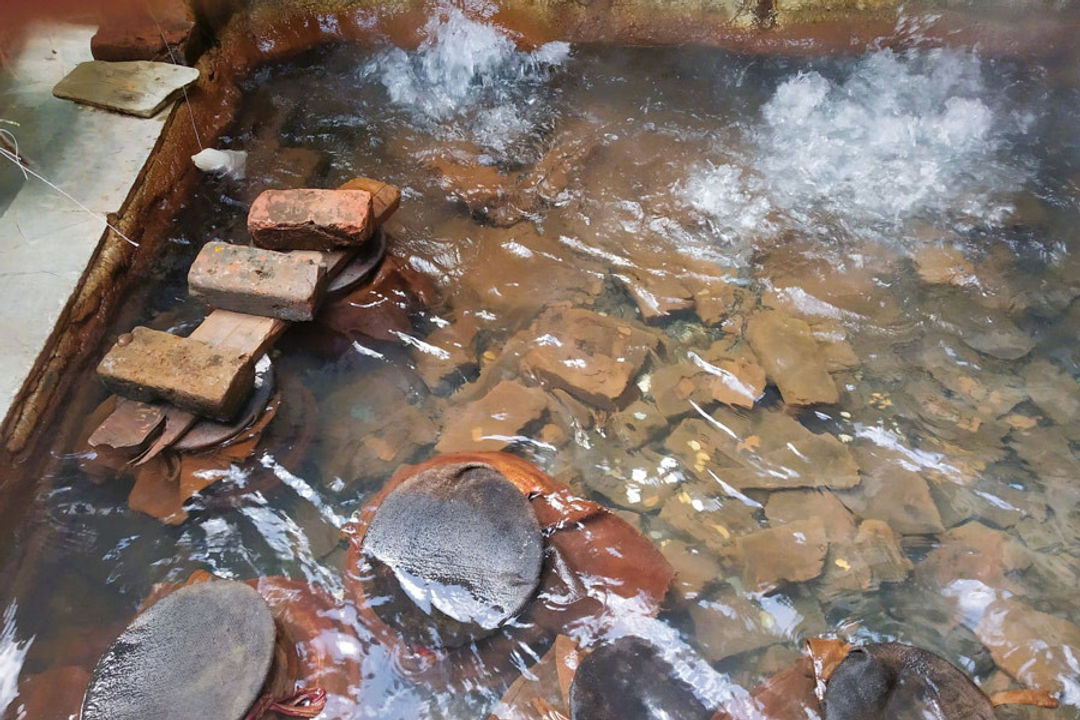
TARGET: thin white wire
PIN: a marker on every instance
(14, 141)
(28, 171)
(172, 57)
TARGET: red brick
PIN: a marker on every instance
(252, 280)
(311, 219)
(192, 375)
(158, 30)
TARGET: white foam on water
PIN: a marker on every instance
(899, 136)
(460, 61)
(12, 654)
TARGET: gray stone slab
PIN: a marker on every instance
(465, 547)
(136, 87)
(203, 651)
(631, 679)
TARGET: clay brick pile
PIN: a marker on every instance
(304, 241)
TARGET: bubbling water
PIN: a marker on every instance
(471, 74)
(902, 136)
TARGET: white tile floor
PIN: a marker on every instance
(45, 239)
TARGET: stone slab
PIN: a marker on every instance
(258, 282)
(310, 219)
(135, 87)
(192, 375)
(202, 651)
(470, 546)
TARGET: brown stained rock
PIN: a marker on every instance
(251, 280)
(766, 450)
(385, 198)
(694, 568)
(808, 282)
(553, 172)
(637, 424)
(593, 357)
(732, 624)
(657, 293)
(1036, 649)
(485, 191)
(977, 552)
(942, 265)
(963, 372)
(448, 356)
(792, 552)
(523, 271)
(789, 505)
(1055, 391)
(674, 387)
(1047, 450)
(732, 376)
(571, 414)
(307, 219)
(891, 493)
(190, 374)
(861, 564)
(712, 520)
(494, 421)
(838, 353)
(395, 440)
(993, 333)
(791, 357)
(787, 695)
(717, 300)
(641, 481)
(373, 444)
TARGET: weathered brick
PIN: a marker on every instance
(252, 280)
(159, 30)
(385, 198)
(311, 219)
(151, 365)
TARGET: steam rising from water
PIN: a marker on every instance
(901, 136)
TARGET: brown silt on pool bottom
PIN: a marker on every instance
(788, 345)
